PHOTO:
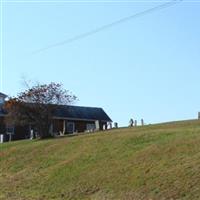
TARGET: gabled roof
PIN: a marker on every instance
(2, 111)
(2, 94)
(81, 113)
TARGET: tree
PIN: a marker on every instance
(36, 105)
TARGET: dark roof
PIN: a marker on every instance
(82, 113)
(2, 112)
(2, 94)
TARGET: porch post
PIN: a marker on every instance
(63, 126)
(97, 125)
(51, 129)
(10, 137)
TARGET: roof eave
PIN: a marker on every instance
(81, 119)
(2, 94)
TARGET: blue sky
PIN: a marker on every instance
(145, 68)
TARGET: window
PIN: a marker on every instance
(70, 127)
(10, 129)
(1, 100)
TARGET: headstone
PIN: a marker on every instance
(1, 138)
(142, 122)
(131, 123)
(135, 122)
(115, 125)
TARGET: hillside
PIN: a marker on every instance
(151, 162)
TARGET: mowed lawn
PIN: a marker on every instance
(151, 162)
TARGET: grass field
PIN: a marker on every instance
(151, 162)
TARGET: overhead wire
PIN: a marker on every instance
(108, 26)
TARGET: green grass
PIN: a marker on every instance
(151, 162)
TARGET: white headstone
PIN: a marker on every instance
(1, 138)
(116, 125)
(135, 122)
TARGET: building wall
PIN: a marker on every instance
(57, 126)
(3, 130)
(20, 132)
(23, 132)
(80, 126)
(2, 125)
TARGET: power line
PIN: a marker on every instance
(110, 25)
(91, 1)
(82, 1)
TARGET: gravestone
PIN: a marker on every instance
(131, 123)
(142, 122)
(135, 122)
(1, 138)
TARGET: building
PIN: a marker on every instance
(2, 115)
(70, 119)
(66, 120)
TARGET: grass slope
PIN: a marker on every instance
(150, 162)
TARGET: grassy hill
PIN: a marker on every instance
(151, 162)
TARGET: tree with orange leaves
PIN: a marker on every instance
(36, 105)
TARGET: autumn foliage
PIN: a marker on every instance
(36, 105)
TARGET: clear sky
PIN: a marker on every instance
(148, 67)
